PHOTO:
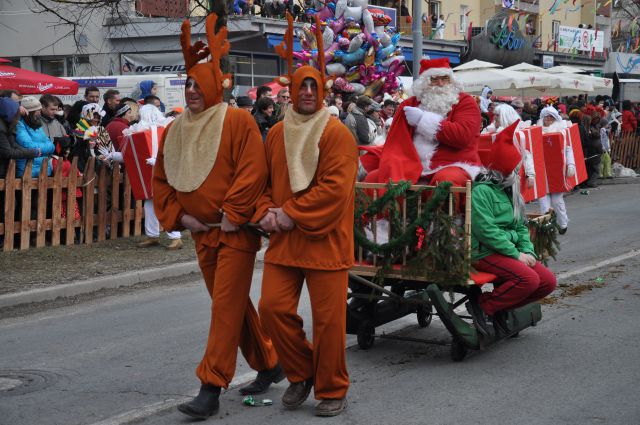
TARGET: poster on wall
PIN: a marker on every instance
(580, 39)
(152, 63)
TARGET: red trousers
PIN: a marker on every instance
(227, 273)
(519, 284)
(325, 359)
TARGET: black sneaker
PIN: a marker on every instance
(263, 381)
(563, 230)
(205, 404)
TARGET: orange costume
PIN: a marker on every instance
(313, 162)
(208, 163)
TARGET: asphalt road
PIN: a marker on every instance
(129, 357)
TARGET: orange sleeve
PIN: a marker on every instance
(250, 176)
(165, 203)
(265, 201)
(316, 212)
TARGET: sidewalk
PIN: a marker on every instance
(43, 274)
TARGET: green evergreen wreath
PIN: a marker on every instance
(544, 236)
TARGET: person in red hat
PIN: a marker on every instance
(210, 171)
(500, 239)
(434, 134)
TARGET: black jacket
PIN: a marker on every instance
(10, 149)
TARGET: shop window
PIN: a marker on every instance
(463, 18)
(54, 67)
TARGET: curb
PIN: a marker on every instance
(618, 180)
(105, 282)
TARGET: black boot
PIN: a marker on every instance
(205, 404)
(263, 381)
(479, 319)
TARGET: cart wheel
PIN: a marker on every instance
(424, 315)
(366, 335)
(458, 350)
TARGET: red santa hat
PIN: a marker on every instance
(505, 156)
(435, 67)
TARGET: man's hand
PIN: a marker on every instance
(193, 224)
(528, 259)
(413, 115)
(227, 226)
(269, 224)
(282, 219)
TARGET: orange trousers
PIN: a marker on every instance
(325, 359)
(227, 273)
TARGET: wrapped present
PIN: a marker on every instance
(531, 139)
(136, 148)
(556, 148)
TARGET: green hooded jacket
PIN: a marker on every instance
(493, 227)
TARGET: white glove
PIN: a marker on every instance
(414, 115)
(151, 161)
(104, 151)
(531, 181)
(571, 170)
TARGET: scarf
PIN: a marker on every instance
(301, 145)
(191, 147)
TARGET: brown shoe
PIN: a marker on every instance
(149, 242)
(331, 407)
(296, 394)
(175, 244)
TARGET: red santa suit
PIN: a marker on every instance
(430, 147)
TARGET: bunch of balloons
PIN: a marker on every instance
(361, 49)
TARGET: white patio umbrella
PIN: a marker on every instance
(564, 69)
(523, 66)
(555, 85)
(476, 64)
(501, 81)
(600, 85)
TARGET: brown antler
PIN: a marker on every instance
(192, 54)
(320, 44)
(218, 43)
(285, 49)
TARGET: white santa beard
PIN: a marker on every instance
(439, 99)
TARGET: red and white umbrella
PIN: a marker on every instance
(275, 88)
(30, 82)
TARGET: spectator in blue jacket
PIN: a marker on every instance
(149, 88)
(31, 135)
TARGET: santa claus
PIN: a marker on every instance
(434, 134)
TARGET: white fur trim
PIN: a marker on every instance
(429, 124)
(425, 148)
(437, 72)
(471, 169)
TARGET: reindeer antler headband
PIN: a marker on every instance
(208, 75)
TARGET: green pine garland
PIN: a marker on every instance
(544, 236)
(436, 244)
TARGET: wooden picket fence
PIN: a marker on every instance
(626, 150)
(33, 206)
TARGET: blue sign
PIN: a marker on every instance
(99, 82)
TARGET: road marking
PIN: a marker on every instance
(152, 409)
(161, 406)
(617, 259)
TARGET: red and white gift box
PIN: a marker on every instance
(532, 138)
(555, 161)
(136, 149)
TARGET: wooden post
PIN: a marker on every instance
(56, 207)
(126, 207)
(89, 199)
(9, 205)
(115, 200)
(102, 204)
(26, 206)
(71, 201)
(41, 218)
(139, 214)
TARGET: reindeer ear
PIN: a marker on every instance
(226, 83)
(284, 80)
(328, 84)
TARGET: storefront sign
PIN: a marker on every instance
(623, 63)
(580, 39)
(153, 63)
(547, 61)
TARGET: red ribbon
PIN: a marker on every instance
(420, 233)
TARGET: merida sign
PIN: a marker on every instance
(501, 41)
(152, 63)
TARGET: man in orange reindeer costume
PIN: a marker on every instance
(308, 207)
(211, 168)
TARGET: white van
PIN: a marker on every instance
(170, 87)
